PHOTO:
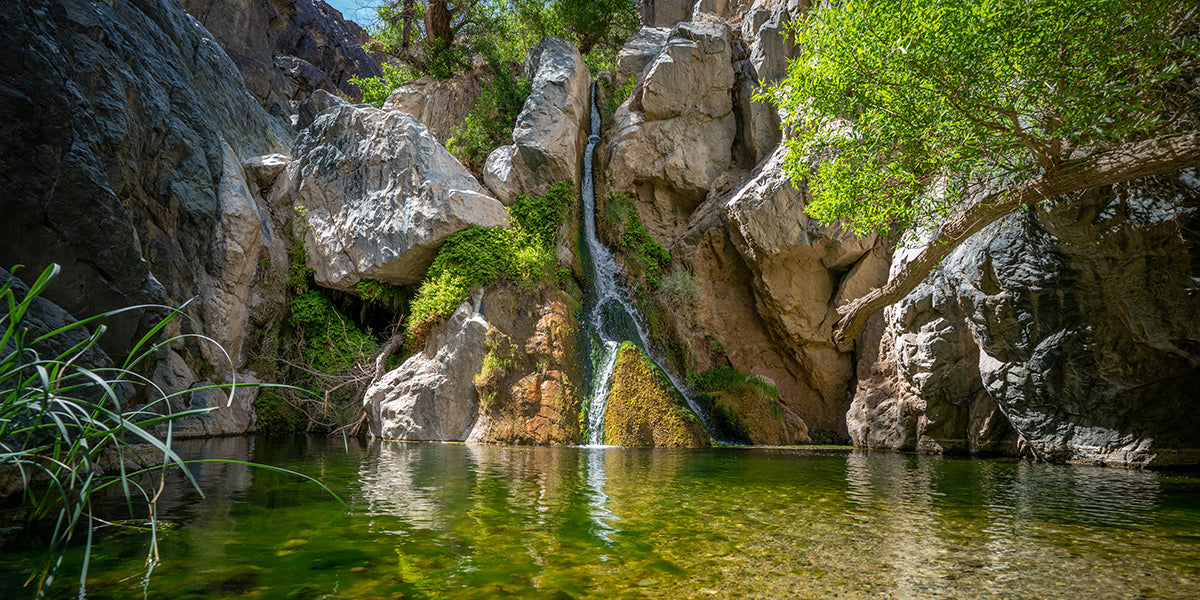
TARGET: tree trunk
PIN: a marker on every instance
(438, 31)
(407, 14)
(1125, 163)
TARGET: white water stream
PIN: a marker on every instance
(610, 314)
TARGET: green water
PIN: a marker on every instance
(459, 521)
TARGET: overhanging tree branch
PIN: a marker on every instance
(1124, 163)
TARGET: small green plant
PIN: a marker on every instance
(479, 256)
(637, 242)
(680, 292)
(375, 90)
(392, 297)
(64, 430)
(489, 124)
(616, 94)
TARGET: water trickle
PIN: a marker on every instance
(610, 316)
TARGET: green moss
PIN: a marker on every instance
(742, 408)
(646, 257)
(645, 409)
(479, 256)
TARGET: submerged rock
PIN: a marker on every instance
(645, 409)
(380, 195)
(551, 131)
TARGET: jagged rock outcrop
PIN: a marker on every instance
(379, 196)
(674, 137)
(665, 13)
(644, 409)
(286, 49)
(799, 266)
(639, 51)
(1083, 316)
(530, 384)
(504, 368)
(432, 395)
(308, 109)
(551, 131)
(439, 105)
(126, 125)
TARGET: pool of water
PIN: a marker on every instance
(464, 521)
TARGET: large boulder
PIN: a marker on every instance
(379, 196)
(645, 409)
(801, 270)
(439, 105)
(674, 137)
(286, 49)
(504, 368)
(125, 125)
(639, 51)
(1083, 316)
(432, 396)
(531, 382)
(551, 131)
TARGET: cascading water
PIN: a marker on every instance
(610, 315)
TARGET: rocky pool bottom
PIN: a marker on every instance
(466, 521)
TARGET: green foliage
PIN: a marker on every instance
(506, 29)
(904, 108)
(637, 242)
(489, 124)
(385, 295)
(728, 379)
(479, 256)
(375, 90)
(68, 434)
(679, 292)
(298, 271)
(330, 342)
(615, 94)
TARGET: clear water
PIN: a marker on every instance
(464, 521)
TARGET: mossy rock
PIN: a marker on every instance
(645, 409)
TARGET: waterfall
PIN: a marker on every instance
(610, 315)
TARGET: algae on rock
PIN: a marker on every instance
(644, 408)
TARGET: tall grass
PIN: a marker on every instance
(67, 433)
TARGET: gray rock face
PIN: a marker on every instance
(234, 415)
(432, 396)
(380, 196)
(800, 270)
(1084, 319)
(551, 130)
(639, 51)
(674, 137)
(124, 125)
(439, 105)
(664, 13)
(286, 49)
(316, 103)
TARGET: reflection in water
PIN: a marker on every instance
(459, 521)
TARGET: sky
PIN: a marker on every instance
(359, 11)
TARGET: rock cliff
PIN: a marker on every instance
(286, 49)
(126, 126)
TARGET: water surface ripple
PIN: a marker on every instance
(465, 521)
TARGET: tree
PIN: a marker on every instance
(593, 21)
(438, 37)
(946, 115)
